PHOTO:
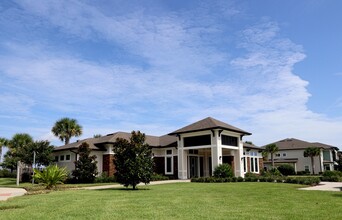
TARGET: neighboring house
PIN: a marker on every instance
(194, 150)
(291, 151)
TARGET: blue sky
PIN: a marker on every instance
(273, 68)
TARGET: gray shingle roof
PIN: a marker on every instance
(296, 144)
(97, 143)
(207, 124)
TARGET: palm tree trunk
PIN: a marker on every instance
(312, 165)
(272, 160)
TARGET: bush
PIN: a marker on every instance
(158, 177)
(253, 175)
(51, 176)
(332, 176)
(104, 178)
(286, 169)
(26, 177)
(301, 173)
(223, 171)
(7, 174)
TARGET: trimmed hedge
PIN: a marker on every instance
(312, 181)
(158, 177)
(332, 176)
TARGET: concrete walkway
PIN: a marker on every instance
(141, 184)
(326, 186)
(6, 193)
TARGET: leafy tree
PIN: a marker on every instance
(97, 135)
(133, 160)
(223, 171)
(271, 149)
(312, 152)
(15, 150)
(10, 161)
(286, 169)
(43, 151)
(66, 128)
(85, 167)
(51, 176)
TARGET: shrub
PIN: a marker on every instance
(26, 177)
(7, 174)
(158, 177)
(332, 176)
(85, 167)
(300, 173)
(223, 171)
(286, 169)
(51, 176)
(104, 178)
(253, 175)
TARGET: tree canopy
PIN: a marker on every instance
(66, 128)
(133, 160)
(85, 167)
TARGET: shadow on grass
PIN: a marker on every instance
(124, 189)
(340, 188)
(11, 207)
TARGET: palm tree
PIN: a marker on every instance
(312, 152)
(19, 141)
(272, 149)
(66, 128)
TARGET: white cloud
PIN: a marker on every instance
(187, 74)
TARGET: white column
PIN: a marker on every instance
(321, 160)
(216, 151)
(238, 154)
(182, 161)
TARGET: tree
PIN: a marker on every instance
(43, 151)
(133, 160)
(51, 176)
(66, 128)
(312, 152)
(271, 149)
(97, 135)
(15, 150)
(85, 167)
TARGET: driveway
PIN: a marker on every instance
(6, 193)
(326, 186)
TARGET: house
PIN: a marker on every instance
(291, 151)
(194, 150)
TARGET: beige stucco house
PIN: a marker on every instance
(291, 151)
(194, 150)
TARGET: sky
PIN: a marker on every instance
(270, 67)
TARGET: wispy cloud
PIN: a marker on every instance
(184, 70)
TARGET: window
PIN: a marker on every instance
(67, 157)
(61, 157)
(326, 155)
(256, 165)
(252, 164)
(168, 151)
(307, 168)
(277, 155)
(327, 167)
(229, 140)
(56, 158)
(244, 164)
(284, 154)
(168, 165)
(197, 140)
(193, 151)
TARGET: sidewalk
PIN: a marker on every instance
(326, 186)
(6, 193)
(141, 184)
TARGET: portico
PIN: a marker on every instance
(204, 145)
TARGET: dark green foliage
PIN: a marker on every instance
(158, 177)
(133, 160)
(271, 149)
(43, 151)
(301, 173)
(66, 128)
(85, 167)
(26, 177)
(286, 169)
(7, 174)
(104, 178)
(51, 176)
(10, 161)
(223, 171)
(332, 176)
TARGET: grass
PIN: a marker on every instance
(179, 201)
(11, 182)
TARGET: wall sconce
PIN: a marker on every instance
(220, 157)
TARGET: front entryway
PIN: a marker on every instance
(195, 166)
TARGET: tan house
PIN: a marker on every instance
(291, 151)
(194, 150)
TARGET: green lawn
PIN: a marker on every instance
(179, 201)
